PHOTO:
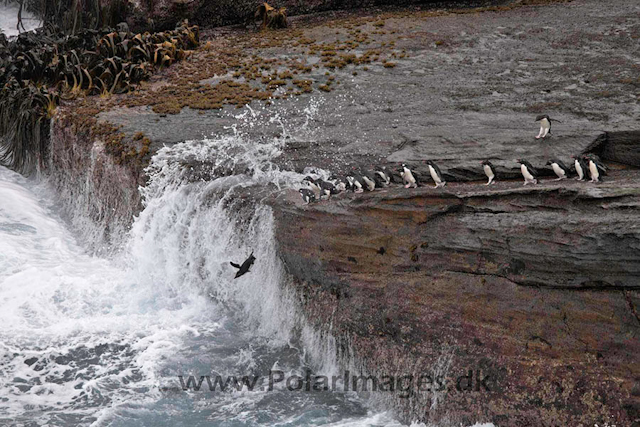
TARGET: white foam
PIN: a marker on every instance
(56, 299)
(106, 333)
(9, 19)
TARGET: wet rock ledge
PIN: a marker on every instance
(536, 287)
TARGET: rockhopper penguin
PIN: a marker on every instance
(597, 169)
(407, 177)
(545, 125)
(528, 172)
(559, 168)
(581, 167)
(490, 171)
(436, 175)
(244, 268)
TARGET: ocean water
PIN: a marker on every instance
(113, 340)
(104, 341)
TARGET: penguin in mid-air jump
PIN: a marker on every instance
(244, 268)
(559, 168)
(436, 175)
(528, 172)
(581, 167)
(545, 125)
(596, 168)
(407, 177)
(490, 171)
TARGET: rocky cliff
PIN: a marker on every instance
(535, 289)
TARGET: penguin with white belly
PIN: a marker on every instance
(545, 125)
(528, 172)
(369, 180)
(408, 177)
(382, 178)
(435, 173)
(582, 169)
(560, 169)
(490, 171)
(307, 195)
(596, 168)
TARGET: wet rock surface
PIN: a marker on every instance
(469, 89)
(537, 285)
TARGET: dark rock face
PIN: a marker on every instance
(165, 13)
(621, 147)
(537, 288)
(101, 197)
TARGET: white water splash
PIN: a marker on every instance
(9, 19)
(89, 341)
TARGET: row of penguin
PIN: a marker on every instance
(586, 166)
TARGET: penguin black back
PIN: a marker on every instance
(246, 265)
(531, 169)
(560, 164)
(490, 165)
(435, 167)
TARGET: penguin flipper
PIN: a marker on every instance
(233, 264)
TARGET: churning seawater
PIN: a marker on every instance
(103, 341)
(96, 341)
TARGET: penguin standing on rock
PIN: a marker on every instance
(355, 184)
(408, 178)
(581, 167)
(381, 177)
(559, 168)
(436, 175)
(528, 172)
(311, 184)
(369, 181)
(597, 169)
(545, 125)
(490, 171)
(326, 188)
(338, 182)
(307, 195)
